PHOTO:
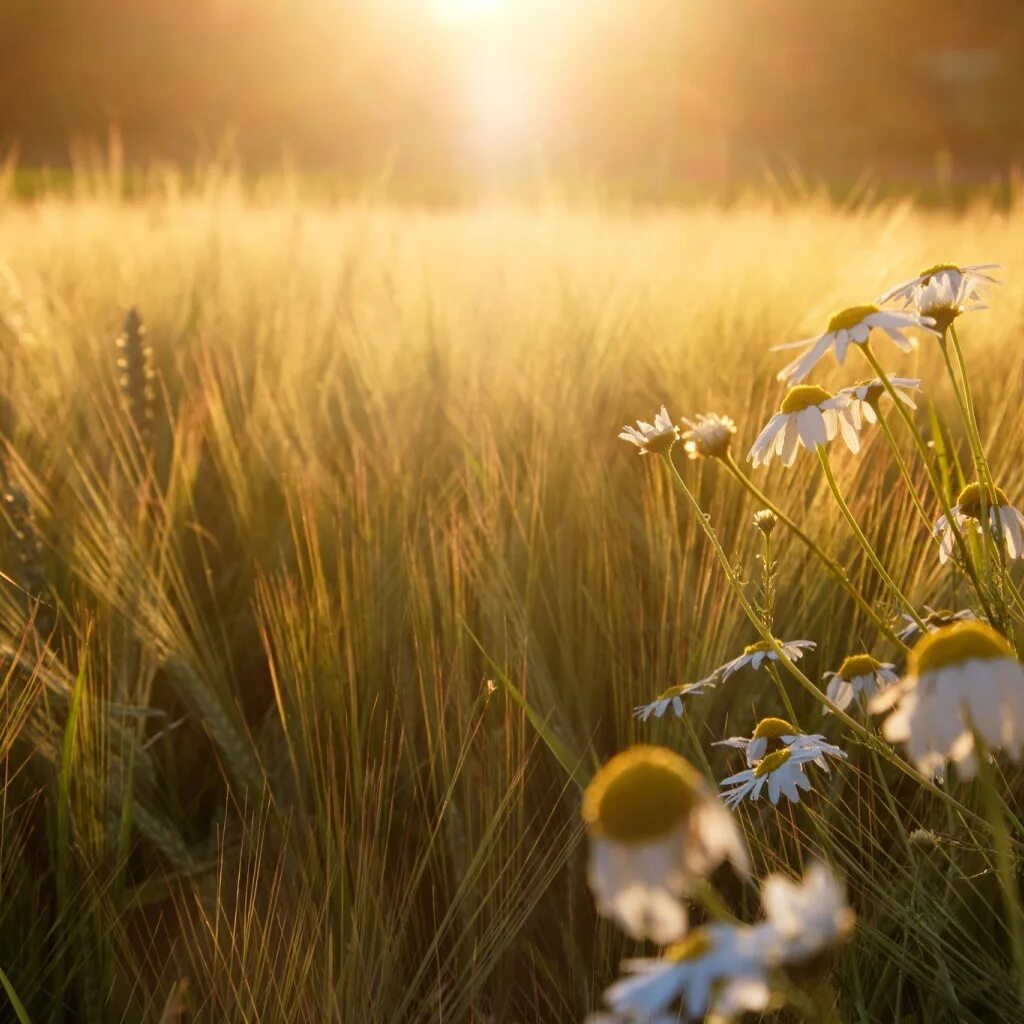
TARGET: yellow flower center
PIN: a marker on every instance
(969, 499)
(695, 945)
(847, 318)
(761, 645)
(939, 268)
(858, 665)
(773, 728)
(952, 645)
(803, 396)
(772, 762)
(640, 794)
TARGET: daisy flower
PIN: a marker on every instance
(719, 969)
(959, 678)
(765, 521)
(756, 654)
(655, 827)
(782, 772)
(864, 397)
(673, 697)
(1004, 521)
(810, 747)
(860, 675)
(709, 436)
(851, 327)
(932, 619)
(656, 437)
(808, 916)
(944, 291)
(810, 416)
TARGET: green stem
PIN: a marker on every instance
(864, 542)
(790, 710)
(831, 565)
(936, 484)
(904, 469)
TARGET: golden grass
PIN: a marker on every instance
(335, 652)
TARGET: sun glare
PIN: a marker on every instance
(467, 10)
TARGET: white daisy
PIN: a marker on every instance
(655, 437)
(810, 416)
(865, 397)
(959, 678)
(756, 654)
(860, 675)
(673, 697)
(810, 747)
(806, 917)
(851, 327)
(719, 969)
(932, 619)
(655, 828)
(709, 436)
(1005, 521)
(944, 291)
(782, 772)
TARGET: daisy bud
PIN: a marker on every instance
(765, 520)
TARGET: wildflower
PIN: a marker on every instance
(673, 697)
(806, 917)
(865, 397)
(860, 675)
(756, 654)
(932, 620)
(709, 436)
(809, 415)
(655, 827)
(851, 326)
(960, 678)
(719, 968)
(778, 729)
(945, 291)
(1004, 520)
(782, 772)
(765, 520)
(656, 437)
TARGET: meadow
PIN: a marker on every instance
(330, 597)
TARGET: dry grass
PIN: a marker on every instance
(257, 773)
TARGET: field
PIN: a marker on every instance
(319, 631)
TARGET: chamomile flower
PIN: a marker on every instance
(756, 654)
(865, 397)
(719, 969)
(656, 437)
(944, 291)
(933, 620)
(782, 772)
(778, 732)
(1005, 521)
(806, 917)
(851, 327)
(765, 521)
(655, 827)
(709, 436)
(673, 697)
(859, 676)
(809, 416)
(959, 678)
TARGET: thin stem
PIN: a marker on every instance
(864, 542)
(869, 739)
(905, 473)
(833, 567)
(790, 710)
(940, 491)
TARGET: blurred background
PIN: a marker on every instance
(649, 96)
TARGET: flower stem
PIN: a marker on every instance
(864, 542)
(790, 710)
(904, 469)
(833, 567)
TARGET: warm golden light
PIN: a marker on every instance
(467, 10)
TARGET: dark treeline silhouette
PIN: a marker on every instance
(625, 89)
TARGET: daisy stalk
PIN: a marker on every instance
(831, 565)
(870, 740)
(851, 519)
(936, 484)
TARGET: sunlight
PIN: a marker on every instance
(468, 10)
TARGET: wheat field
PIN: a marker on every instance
(328, 599)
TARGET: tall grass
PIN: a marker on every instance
(321, 646)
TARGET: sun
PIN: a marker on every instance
(468, 10)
